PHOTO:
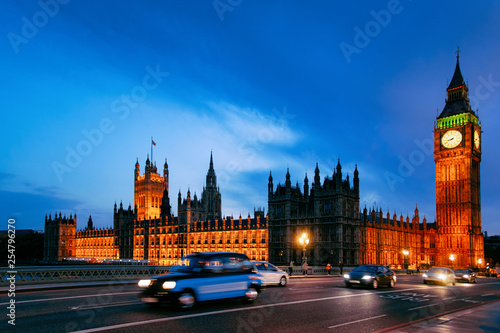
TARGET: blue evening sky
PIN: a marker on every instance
(264, 85)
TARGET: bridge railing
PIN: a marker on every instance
(40, 275)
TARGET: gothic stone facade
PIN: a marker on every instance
(328, 214)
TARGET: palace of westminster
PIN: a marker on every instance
(327, 211)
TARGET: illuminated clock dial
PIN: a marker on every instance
(451, 139)
(477, 139)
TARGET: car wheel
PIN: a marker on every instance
(392, 283)
(347, 284)
(282, 281)
(425, 281)
(375, 284)
(251, 295)
(186, 300)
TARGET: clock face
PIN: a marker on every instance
(451, 139)
(477, 139)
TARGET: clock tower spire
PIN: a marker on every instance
(457, 154)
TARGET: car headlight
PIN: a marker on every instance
(424, 275)
(442, 277)
(144, 283)
(394, 277)
(367, 277)
(466, 276)
(168, 285)
(346, 276)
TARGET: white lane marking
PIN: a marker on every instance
(485, 295)
(104, 305)
(357, 321)
(159, 320)
(69, 297)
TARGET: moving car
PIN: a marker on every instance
(440, 275)
(271, 274)
(370, 276)
(464, 275)
(203, 277)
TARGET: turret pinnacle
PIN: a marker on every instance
(457, 80)
(457, 101)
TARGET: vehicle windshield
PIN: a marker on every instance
(195, 263)
(437, 270)
(460, 271)
(366, 268)
(188, 264)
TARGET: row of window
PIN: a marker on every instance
(236, 241)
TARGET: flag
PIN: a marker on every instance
(154, 143)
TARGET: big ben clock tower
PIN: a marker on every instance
(457, 153)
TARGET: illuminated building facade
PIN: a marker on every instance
(151, 232)
(386, 239)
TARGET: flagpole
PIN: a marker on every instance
(151, 150)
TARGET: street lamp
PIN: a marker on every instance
(452, 257)
(303, 240)
(479, 262)
(406, 253)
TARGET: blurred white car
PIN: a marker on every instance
(440, 275)
(271, 274)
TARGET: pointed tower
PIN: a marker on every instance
(457, 154)
(356, 179)
(165, 204)
(317, 183)
(270, 186)
(165, 175)
(211, 198)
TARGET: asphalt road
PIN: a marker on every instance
(304, 305)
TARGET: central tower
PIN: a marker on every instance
(457, 154)
(149, 190)
(211, 197)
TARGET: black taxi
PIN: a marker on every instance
(203, 277)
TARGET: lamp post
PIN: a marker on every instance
(479, 262)
(452, 257)
(406, 253)
(304, 241)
